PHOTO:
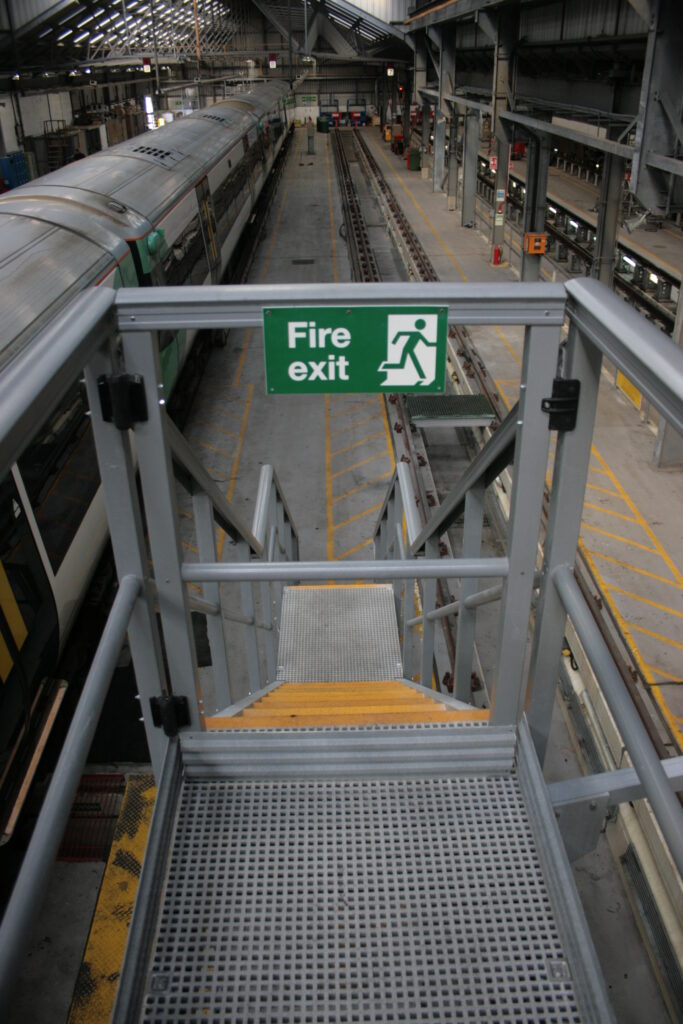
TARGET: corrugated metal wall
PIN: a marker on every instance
(583, 19)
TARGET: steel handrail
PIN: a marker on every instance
(489, 463)
(34, 876)
(667, 809)
(288, 572)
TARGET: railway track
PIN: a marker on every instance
(471, 368)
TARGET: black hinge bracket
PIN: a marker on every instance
(563, 405)
(170, 713)
(122, 399)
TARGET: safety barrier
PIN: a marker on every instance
(113, 336)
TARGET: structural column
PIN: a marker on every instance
(508, 25)
(452, 181)
(669, 446)
(535, 201)
(609, 209)
(469, 167)
(439, 165)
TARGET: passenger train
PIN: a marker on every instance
(167, 207)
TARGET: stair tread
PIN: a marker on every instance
(339, 634)
(311, 705)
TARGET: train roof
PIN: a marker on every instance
(68, 229)
(68, 263)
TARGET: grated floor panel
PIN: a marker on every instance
(317, 623)
(322, 902)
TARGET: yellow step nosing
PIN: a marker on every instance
(385, 718)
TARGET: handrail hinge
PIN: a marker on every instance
(170, 713)
(122, 399)
(562, 407)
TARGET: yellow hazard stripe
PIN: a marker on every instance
(98, 977)
(15, 621)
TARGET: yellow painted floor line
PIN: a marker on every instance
(353, 426)
(508, 345)
(632, 568)
(235, 465)
(98, 979)
(215, 426)
(213, 447)
(645, 600)
(609, 512)
(604, 490)
(357, 547)
(620, 538)
(358, 515)
(357, 444)
(349, 407)
(667, 680)
(671, 565)
(659, 698)
(362, 487)
(656, 636)
(363, 462)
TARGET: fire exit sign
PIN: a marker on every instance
(371, 349)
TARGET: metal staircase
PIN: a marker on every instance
(345, 844)
(359, 850)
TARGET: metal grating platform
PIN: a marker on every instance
(375, 900)
(315, 629)
(450, 410)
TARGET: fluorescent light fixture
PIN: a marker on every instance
(573, 224)
(654, 278)
(631, 263)
(551, 209)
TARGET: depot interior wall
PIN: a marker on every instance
(39, 110)
(8, 141)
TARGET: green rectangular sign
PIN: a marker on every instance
(358, 349)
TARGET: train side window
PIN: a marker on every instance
(59, 470)
(28, 619)
(184, 254)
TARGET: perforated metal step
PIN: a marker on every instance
(338, 634)
(450, 410)
(441, 897)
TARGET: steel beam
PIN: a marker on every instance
(470, 150)
(535, 201)
(609, 210)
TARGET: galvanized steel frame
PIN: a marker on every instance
(82, 336)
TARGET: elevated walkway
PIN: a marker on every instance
(348, 847)
(348, 843)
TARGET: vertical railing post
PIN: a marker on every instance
(141, 355)
(572, 458)
(206, 546)
(428, 605)
(117, 472)
(268, 589)
(248, 609)
(467, 617)
(531, 455)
